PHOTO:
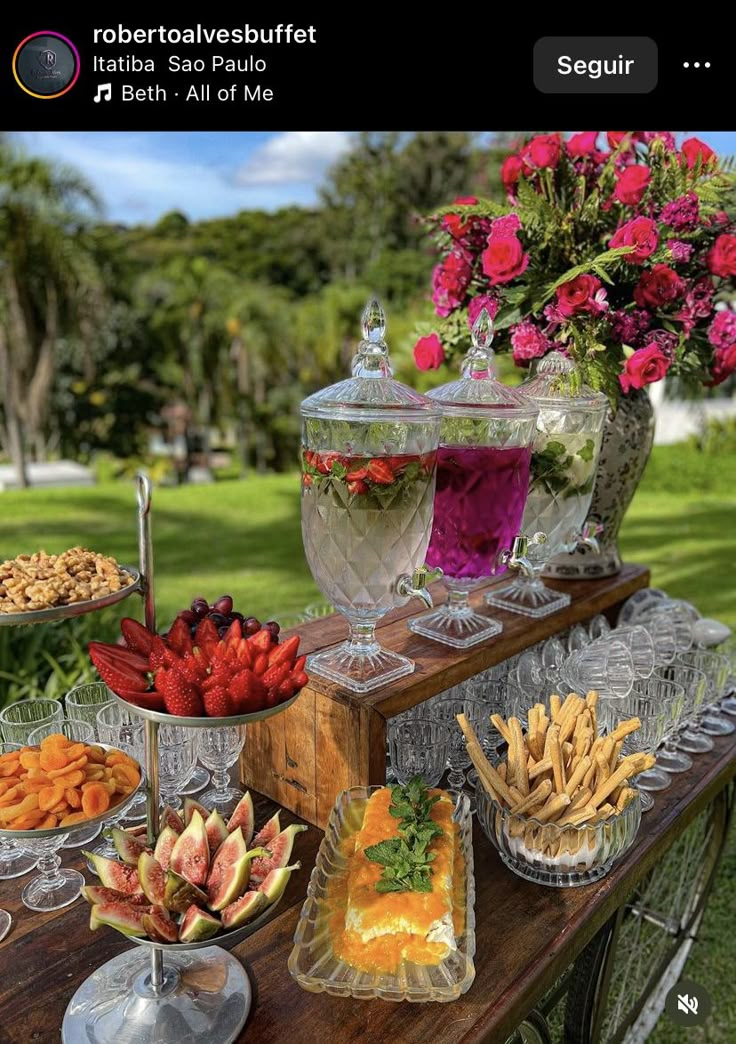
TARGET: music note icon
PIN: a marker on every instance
(104, 92)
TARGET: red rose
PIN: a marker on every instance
(721, 258)
(644, 367)
(577, 295)
(658, 286)
(616, 137)
(724, 364)
(641, 233)
(504, 259)
(542, 151)
(582, 144)
(632, 184)
(694, 149)
(429, 353)
(456, 224)
(511, 172)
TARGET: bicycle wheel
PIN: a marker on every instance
(621, 979)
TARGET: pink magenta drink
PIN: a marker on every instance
(478, 506)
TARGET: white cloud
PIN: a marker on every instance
(294, 156)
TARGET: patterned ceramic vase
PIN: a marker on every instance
(627, 442)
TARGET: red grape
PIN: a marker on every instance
(200, 606)
(224, 605)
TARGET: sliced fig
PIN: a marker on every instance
(233, 882)
(94, 921)
(243, 909)
(216, 831)
(198, 925)
(243, 817)
(127, 847)
(268, 831)
(189, 806)
(137, 830)
(152, 877)
(159, 926)
(127, 918)
(171, 818)
(274, 885)
(166, 841)
(100, 894)
(180, 894)
(280, 853)
(113, 874)
(231, 849)
(190, 856)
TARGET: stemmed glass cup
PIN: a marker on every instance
(84, 701)
(716, 669)
(177, 754)
(695, 684)
(446, 710)
(18, 720)
(77, 731)
(219, 749)
(14, 861)
(119, 728)
(641, 646)
(605, 665)
(419, 748)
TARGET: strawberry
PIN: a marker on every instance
(194, 667)
(137, 637)
(275, 675)
(286, 690)
(379, 471)
(247, 692)
(217, 703)
(300, 679)
(284, 653)
(234, 632)
(180, 696)
(156, 657)
(357, 475)
(220, 676)
(207, 638)
(119, 668)
(260, 664)
(179, 638)
(300, 663)
(357, 489)
(261, 640)
(244, 654)
(148, 700)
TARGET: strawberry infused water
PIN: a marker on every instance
(478, 506)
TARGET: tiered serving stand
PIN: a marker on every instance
(178, 993)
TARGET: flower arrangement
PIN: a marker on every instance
(613, 247)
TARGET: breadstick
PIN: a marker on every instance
(577, 776)
(545, 765)
(536, 797)
(578, 816)
(500, 726)
(555, 804)
(554, 707)
(627, 768)
(567, 726)
(502, 770)
(582, 797)
(627, 794)
(591, 702)
(558, 769)
(517, 756)
(488, 775)
(625, 728)
(590, 774)
(615, 755)
(603, 770)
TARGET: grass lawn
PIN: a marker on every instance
(244, 538)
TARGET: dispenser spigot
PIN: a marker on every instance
(591, 530)
(415, 586)
(516, 558)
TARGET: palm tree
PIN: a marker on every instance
(49, 288)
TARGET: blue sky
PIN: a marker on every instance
(140, 176)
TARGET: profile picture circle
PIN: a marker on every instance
(46, 65)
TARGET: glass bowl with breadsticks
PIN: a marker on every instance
(560, 806)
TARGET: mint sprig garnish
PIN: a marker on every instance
(406, 859)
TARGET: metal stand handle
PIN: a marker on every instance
(145, 549)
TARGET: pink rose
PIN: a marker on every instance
(504, 259)
(511, 172)
(542, 151)
(582, 144)
(477, 305)
(616, 137)
(456, 224)
(721, 258)
(657, 287)
(632, 184)
(644, 367)
(578, 295)
(508, 225)
(429, 353)
(641, 233)
(450, 280)
(694, 149)
(722, 331)
(724, 364)
(528, 342)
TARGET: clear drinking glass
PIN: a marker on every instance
(641, 646)
(119, 728)
(199, 778)
(18, 720)
(650, 706)
(680, 618)
(605, 666)
(716, 668)
(728, 649)
(177, 754)
(663, 632)
(446, 710)
(669, 696)
(83, 702)
(54, 888)
(599, 627)
(219, 749)
(78, 732)
(14, 861)
(419, 748)
(695, 684)
(643, 601)
(577, 638)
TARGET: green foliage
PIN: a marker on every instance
(717, 438)
(406, 859)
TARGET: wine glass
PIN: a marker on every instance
(599, 627)
(54, 888)
(177, 754)
(119, 728)
(18, 720)
(577, 638)
(14, 862)
(680, 618)
(605, 666)
(639, 642)
(669, 696)
(219, 749)
(728, 649)
(651, 709)
(419, 748)
(663, 632)
(716, 669)
(694, 683)
(77, 732)
(83, 702)
(446, 710)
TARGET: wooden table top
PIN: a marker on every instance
(526, 936)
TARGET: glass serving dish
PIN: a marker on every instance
(557, 856)
(369, 458)
(482, 484)
(564, 460)
(312, 962)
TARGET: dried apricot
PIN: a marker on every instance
(77, 763)
(72, 818)
(50, 796)
(52, 759)
(95, 800)
(56, 739)
(72, 797)
(70, 779)
(9, 768)
(30, 759)
(127, 774)
(48, 822)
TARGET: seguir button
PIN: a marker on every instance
(595, 64)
